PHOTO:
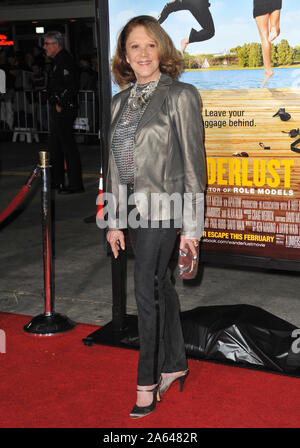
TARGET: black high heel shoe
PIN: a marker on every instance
(167, 381)
(142, 411)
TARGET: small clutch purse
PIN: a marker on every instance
(188, 264)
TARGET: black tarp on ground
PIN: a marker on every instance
(241, 335)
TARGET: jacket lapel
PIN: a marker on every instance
(152, 109)
(117, 112)
(156, 101)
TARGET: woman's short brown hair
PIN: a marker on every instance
(170, 61)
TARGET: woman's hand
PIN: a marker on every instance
(116, 240)
(190, 243)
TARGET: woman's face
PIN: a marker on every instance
(142, 55)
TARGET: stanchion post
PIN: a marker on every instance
(50, 322)
(47, 232)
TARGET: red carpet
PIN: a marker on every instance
(59, 382)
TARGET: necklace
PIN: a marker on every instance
(140, 96)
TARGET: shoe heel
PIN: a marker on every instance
(158, 397)
(182, 380)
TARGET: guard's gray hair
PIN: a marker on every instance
(56, 36)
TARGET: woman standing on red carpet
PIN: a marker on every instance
(156, 149)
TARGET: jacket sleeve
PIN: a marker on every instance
(189, 129)
(115, 194)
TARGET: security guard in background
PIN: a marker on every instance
(62, 92)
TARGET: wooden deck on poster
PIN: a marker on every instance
(260, 105)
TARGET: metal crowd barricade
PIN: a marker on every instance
(26, 114)
(86, 120)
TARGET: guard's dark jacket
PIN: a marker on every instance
(63, 81)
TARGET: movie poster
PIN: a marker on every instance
(245, 62)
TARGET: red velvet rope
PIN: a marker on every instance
(19, 197)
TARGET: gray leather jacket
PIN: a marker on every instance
(169, 157)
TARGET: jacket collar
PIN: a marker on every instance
(165, 79)
(157, 100)
(59, 56)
